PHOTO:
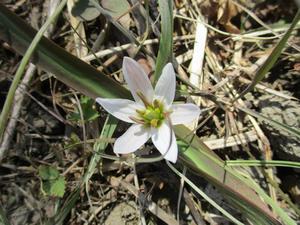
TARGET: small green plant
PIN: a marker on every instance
(52, 183)
(89, 112)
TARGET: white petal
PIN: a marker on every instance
(184, 113)
(166, 84)
(137, 80)
(165, 141)
(120, 108)
(132, 139)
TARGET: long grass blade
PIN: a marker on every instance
(205, 196)
(64, 211)
(108, 129)
(10, 96)
(275, 163)
(52, 58)
(198, 158)
(276, 208)
(264, 69)
(166, 38)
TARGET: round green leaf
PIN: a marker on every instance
(85, 10)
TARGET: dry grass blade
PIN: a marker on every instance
(81, 49)
(281, 126)
(230, 141)
(268, 64)
(196, 64)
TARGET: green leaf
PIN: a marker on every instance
(85, 10)
(204, 195)
(117, 8)
(52, 184)
(88, 110)
(202, 161)
(166, 38)
(265, 163)
(48, 173)
(54, 188)
(58, 187)
(50, 57)
(119, 11)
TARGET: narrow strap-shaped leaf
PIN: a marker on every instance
(108, 129)
(166, 38)
(199, 158)
(276, 163)
(68, 68)
(264, 69)
(204, 195)
(10, 96)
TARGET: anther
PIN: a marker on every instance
(139, 121)
(143, 98)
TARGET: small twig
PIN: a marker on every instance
(124, 47)
(96, 211)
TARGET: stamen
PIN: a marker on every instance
(143, 98)
(140, 112)
(153, 115)
(154, 122)
(156, 103)
(139, 121)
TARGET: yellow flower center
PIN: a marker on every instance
(153, 115)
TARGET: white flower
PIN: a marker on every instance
(152, 113)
